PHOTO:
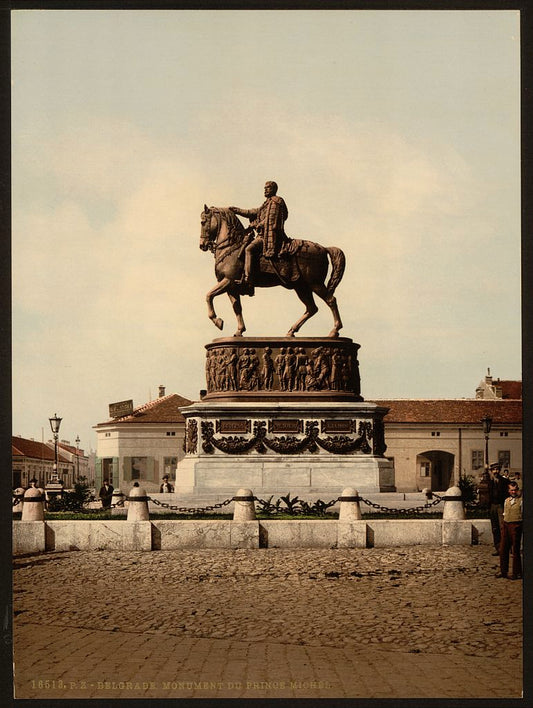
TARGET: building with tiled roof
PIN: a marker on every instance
(32, 459)
(432, 442)
(493, 389)
(141, 443)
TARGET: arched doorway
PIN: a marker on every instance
(438, 466)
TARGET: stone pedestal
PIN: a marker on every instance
(283, 415)
(311, 450)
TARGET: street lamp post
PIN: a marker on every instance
(54, 488)
(487, 425)
(55, 424)
(78, 457)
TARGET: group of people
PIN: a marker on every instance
(106, 491)
(505, 500)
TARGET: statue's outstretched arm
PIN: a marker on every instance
(248, 213)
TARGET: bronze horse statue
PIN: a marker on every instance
(223, 234)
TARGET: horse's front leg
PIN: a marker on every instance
(237, 309)
(219, 288)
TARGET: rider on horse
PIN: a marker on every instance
(268, 221)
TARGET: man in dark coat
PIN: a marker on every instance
(498, 493)
(106, 493)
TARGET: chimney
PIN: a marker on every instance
(488, 378)
(161, 391)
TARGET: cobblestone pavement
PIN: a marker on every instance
(378, 623)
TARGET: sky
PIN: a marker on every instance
(394, 135)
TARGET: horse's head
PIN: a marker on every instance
(208, 232)
(220, 227)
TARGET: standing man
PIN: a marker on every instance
(268, 220)
(498, 487)
(106, 493)
(511, 534)
(166, 487)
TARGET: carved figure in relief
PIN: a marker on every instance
(208, 376)
(311, 384)
(290, 369)
(301, 368)
(336, 371)
(346, 372)
(322, 367)
(280, 369)
(267, 373)
(254, 370)
(219, 370)
(231, 370)
(244, 370)
(212, 369)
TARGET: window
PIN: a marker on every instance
(108, 435)
(171, 433)
(107, 469)
(138, 468)
(504, 458)
(170, 464)
(425, 469)
(504, 434)
(477, 459)
(435, 434)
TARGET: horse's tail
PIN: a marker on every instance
(338, 263)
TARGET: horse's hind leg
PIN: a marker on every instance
(237, 309)
(306, 296)
(331, 302)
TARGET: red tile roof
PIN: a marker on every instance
(456, 411)
(510, 389)
(162, 410)
(71, 449)
(21, 447)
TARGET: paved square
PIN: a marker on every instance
(410, 622)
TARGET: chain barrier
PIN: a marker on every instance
(410, 510)
(295, 506)
(190, 510)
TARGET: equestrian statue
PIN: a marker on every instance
(263, 256)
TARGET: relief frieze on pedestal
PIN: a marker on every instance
(307, 439)
(241, 367)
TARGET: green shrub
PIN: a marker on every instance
(75, 500)
(468, 486)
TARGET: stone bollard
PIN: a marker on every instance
(350, 508)
(118, 497)
(453, 505)
(33, 505)
(137, 504)
(244, 509)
